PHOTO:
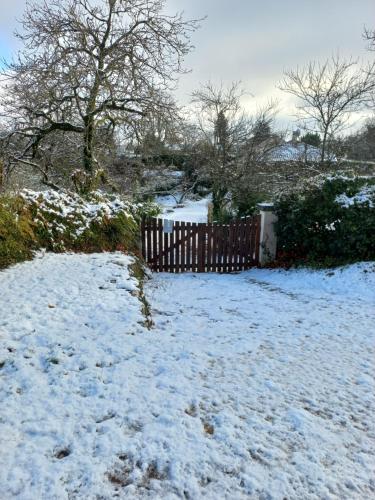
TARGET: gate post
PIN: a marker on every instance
(268, 239)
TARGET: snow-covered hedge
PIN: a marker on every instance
(365, 195)
(328, 224)
(61, 221)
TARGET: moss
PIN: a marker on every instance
(17, 232)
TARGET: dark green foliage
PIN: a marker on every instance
(361, 146)
(243, 204)
(247, 205)
(313, 228)
(222, 215)
(147, 208)
(220, 212)
(312, 139)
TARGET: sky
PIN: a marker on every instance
(252, 41)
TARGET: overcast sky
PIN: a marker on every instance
(252, 40)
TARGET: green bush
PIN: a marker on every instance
(330, 224)
(247, 205)
(241, 203)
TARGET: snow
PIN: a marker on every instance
(297, 152)
(75, 210)
(190, 211)
(252, 385)
(68, 204)
(365, 195)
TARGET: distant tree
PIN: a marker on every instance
(369, 35)
(361, 146)
(155, 133)
(233, 147)
(312, 139)
(328, 93)
(261, 129)
(224, 128)
(87, 65)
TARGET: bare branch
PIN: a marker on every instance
(88, 66)
(328, 93)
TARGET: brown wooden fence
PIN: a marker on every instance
(176, 247)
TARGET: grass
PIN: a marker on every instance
(138, 271)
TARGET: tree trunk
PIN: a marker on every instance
(88, 158)
(324, 146)
(218, 198)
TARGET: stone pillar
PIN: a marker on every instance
(268, 240)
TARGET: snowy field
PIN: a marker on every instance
(191, 211)
(256, 385)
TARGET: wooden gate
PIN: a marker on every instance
(176, 247)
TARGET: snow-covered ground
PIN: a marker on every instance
(256, 385)
(191, 211)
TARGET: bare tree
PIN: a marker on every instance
(87, 66)
(155, 133)
(369, 35)
(328, 94)
(224, 128)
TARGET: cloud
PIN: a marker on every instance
(252, 40)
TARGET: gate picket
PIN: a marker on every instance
(178, 247)
(194, 247)
(220, 248)
(225, 248)
(230, 242)
(249, 242)
(160, 246)
(256, 239)
(188, 247)
(209, 249)
(143, 238)
(241, 245)
(154, 243)
(171, 250)
(165, 251)
(235, 247)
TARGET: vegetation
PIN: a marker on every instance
(85, 69)
(328, 224)
(91, 87)
(328, 94)
(17, 236)
(231, 144)
(361, 145)
(67, 222)
(312, 139)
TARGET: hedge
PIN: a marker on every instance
(63, 221)
(327, 225)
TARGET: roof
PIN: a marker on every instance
(296, 152)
